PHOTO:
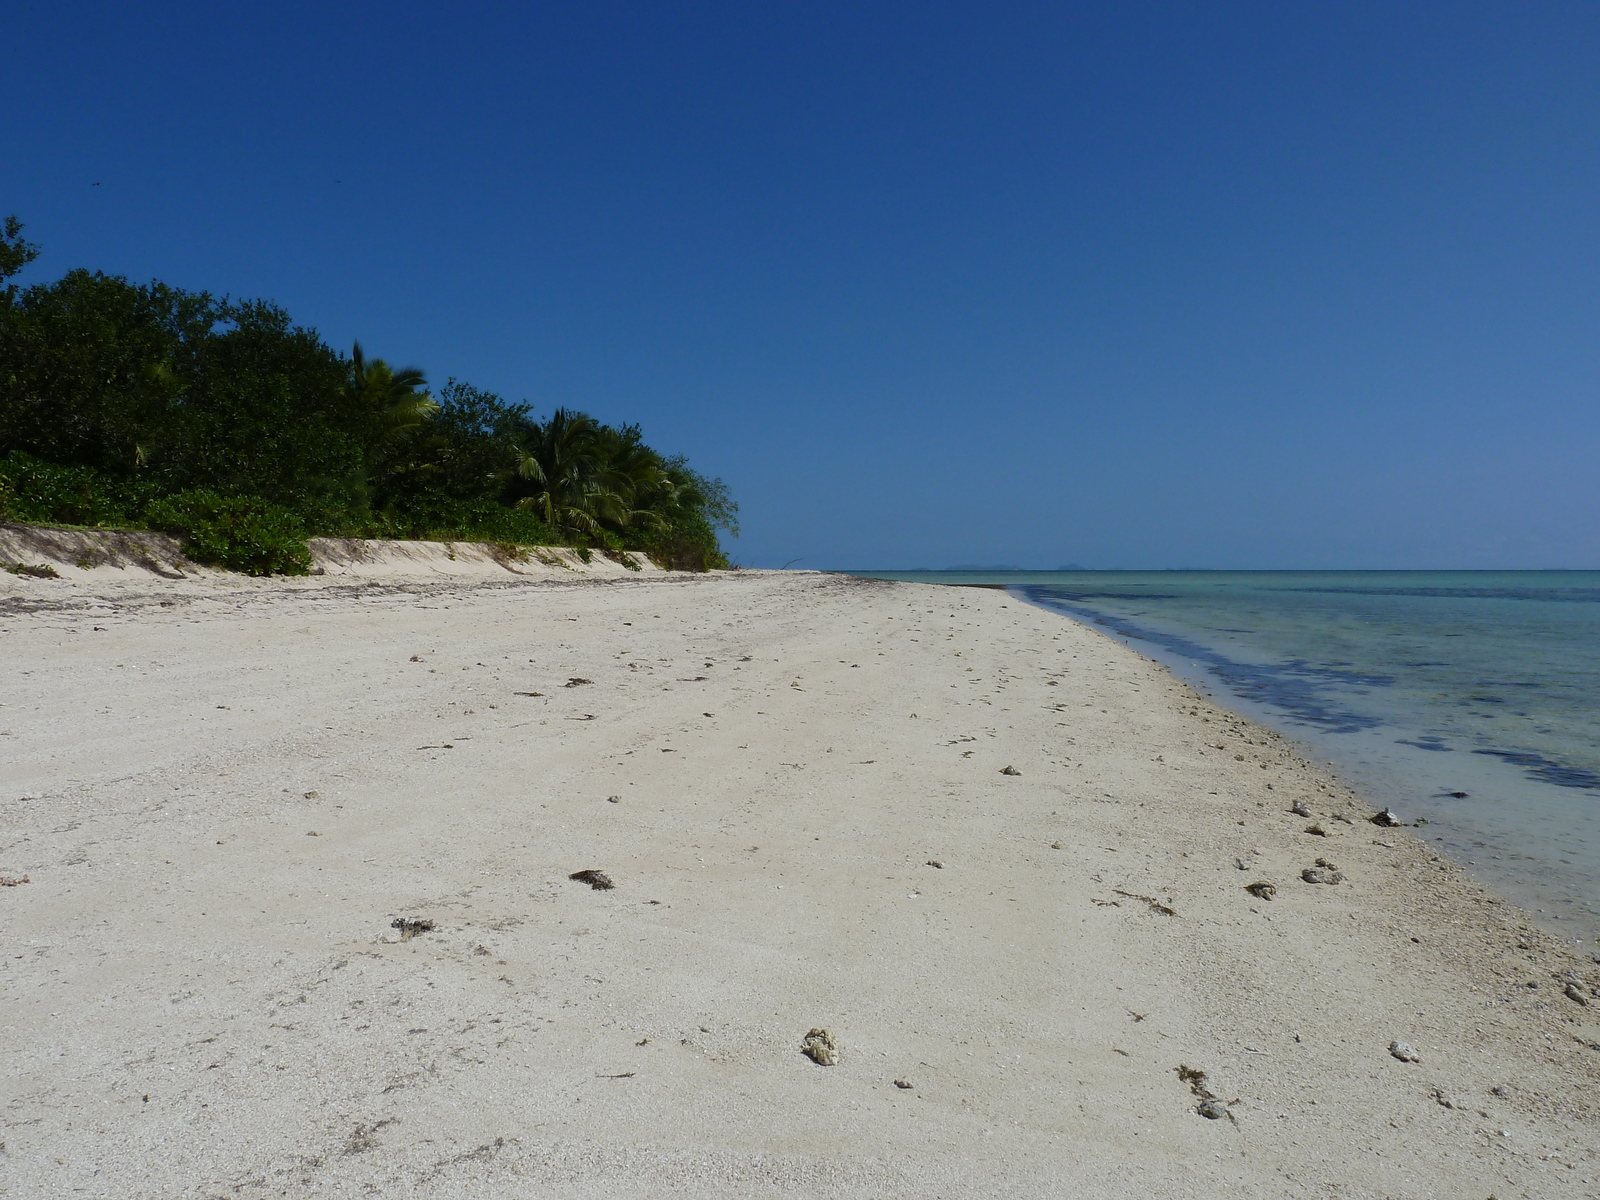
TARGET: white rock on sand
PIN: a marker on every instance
(201, 999)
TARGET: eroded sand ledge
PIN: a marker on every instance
(91, 557)
(201, 998)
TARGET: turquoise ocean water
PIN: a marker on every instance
(1414, 685)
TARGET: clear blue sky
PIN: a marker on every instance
(1212, 284)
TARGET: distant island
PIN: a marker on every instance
(1007, 567)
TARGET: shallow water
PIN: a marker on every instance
(1414, 685)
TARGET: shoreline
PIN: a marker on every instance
(1085, 934)
(1569, 917)
(1504, 791)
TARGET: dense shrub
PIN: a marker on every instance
(688, 545)
(31, 490)
(242, 533)
(445, 519)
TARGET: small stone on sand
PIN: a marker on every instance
(1404, 1052)
(821, 1048)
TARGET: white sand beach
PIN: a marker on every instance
(219, 794)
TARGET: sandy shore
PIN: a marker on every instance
(221, 793)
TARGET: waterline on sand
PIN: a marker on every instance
(1462, 699)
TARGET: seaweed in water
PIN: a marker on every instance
(1425, 742)
(1292, 685)
(1547, 770)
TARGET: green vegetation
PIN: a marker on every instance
(43, 571)
(243, 533)
(141, 405)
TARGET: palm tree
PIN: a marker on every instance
(560, 459)
(636, 475)
(394, 401)
(393, 405)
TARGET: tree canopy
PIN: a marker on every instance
(14, 252)
(124, 404)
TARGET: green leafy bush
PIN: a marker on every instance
(688, 544)
(447, 519)
(242, 533)
(31, 490)
(490, 522)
